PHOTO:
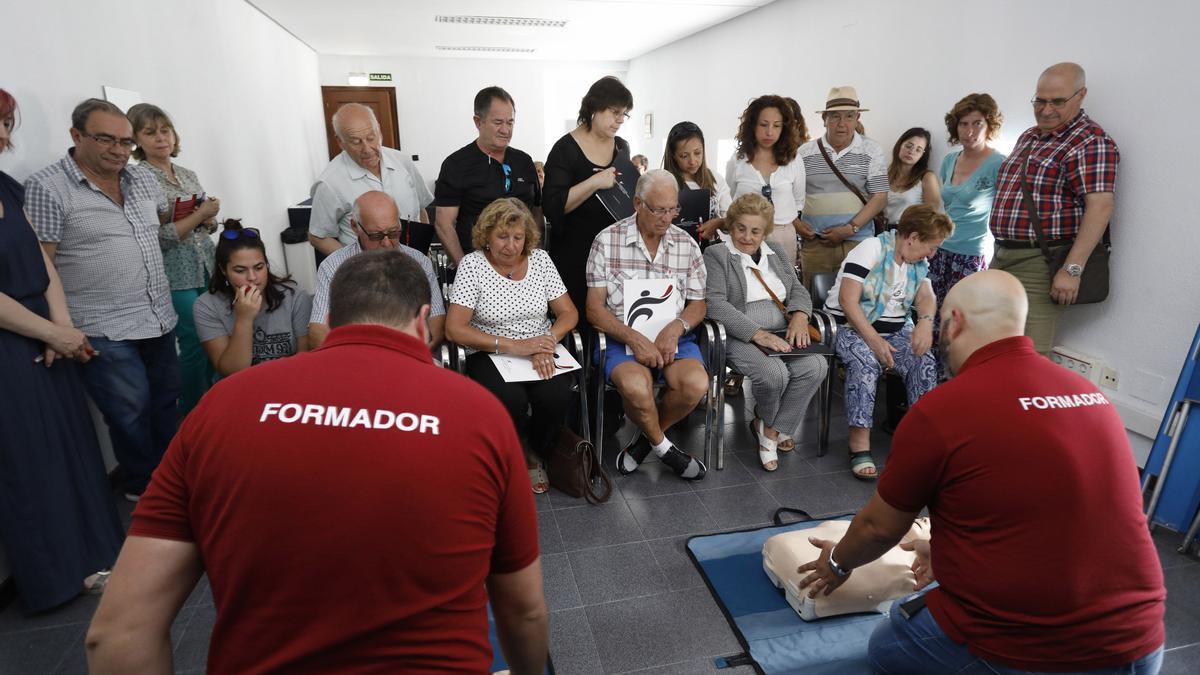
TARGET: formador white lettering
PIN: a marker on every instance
(349, 418)
(1058, 401)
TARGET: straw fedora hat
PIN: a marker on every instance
(842, 98)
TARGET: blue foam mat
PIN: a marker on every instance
(775, 638)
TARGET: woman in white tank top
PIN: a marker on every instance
(909, 179)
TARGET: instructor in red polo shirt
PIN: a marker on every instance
(1042, 554)
(350, 507)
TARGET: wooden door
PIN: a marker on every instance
(382, 100)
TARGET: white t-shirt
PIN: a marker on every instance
(858, 264)
(505, 307)
(788, 184)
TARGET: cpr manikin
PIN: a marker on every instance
(871, 588)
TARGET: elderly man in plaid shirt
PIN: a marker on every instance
(97, 218)
(1071, 165)
(647, 246)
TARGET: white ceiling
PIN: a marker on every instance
(596, 30)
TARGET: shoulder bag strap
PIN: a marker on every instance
(837, 172)
(592, 472)
(774, 298)
(1035, 218)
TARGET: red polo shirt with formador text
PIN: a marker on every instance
(1039, 543)
(348, 505)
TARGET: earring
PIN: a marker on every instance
(487, 247)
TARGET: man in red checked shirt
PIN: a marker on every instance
(1041, 552)
(1071, 165)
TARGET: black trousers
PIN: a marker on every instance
(548, 400)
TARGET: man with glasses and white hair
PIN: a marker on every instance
(375, 221)
(846, 186)
(363, 165)
(1070, 166)
(647, 246)
(97, 219)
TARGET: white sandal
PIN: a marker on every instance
(766, 446)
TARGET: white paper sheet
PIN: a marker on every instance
(650, 304)
(520, 368)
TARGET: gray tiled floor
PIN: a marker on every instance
(623, 594)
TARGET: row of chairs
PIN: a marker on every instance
(711, 338)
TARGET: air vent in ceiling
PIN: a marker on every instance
(507, 50)
(519, 21)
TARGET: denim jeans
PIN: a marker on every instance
(918, 645)
(135, 384)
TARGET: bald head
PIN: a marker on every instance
(979, 310)
(375, 212)
(352, 116)
(1072, 73)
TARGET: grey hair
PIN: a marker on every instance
(83, 111)
(337, 117)
(652, 177)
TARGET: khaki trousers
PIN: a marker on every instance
(820, 257)
(1029, 267)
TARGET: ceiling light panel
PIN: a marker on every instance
(473, 48)
(515, 21)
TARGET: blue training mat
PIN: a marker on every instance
(498, 662)
(775, 638)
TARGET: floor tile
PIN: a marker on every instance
(739, 506)
(558, 581)
(1181, 661)
(734, 473)
(572, 648)
(201, 594)
(1167, 542)
(652, 479)
(549, 540)
(597, 525)
(671, 515)
(1183, 605)
(815, 494)
(659, 630)
(694, 667)
(674, 561)
(619, 572)
(77, 611)
(38, 651)
(191, 646)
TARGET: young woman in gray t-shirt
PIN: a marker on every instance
(249, 314)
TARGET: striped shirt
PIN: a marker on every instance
(108, 256)
(1064, 166)
(329, 267)
(828, 203)
(619, 253)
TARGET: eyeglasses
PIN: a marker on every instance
(106, 141)
(1056, 103)
(913, 147)
(507, 179)
(766, 192)
(841, 116)
(619, 114)
(393, 234)
(663, 211)
(251, 232)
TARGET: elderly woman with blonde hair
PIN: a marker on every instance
(753, 291)
(504, 293)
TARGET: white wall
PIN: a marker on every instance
(434, 98)
(243, 93)
(911, 61)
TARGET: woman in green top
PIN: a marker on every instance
(186, 247)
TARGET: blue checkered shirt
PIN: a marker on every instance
(108, 255)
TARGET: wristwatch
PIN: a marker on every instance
(687, 327)
(837, 569)
(854, 227)
(1073, 269)
(923, 317)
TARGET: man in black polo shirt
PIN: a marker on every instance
(484, 170)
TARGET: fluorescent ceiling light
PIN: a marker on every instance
(358, 79)
(507, 50)
(521, 21)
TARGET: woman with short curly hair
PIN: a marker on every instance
(770, 132)
(503, 294)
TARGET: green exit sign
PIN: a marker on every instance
(380, 77)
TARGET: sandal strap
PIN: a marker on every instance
(861, 459)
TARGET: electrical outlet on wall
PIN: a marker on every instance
(1089, 367)
(1109, 378)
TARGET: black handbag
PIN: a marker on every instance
(1093, 283)
(574, 469)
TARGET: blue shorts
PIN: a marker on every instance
(686, 349)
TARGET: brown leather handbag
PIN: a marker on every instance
(574, 469)
(1093, 283)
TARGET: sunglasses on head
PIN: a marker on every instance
(251, 232)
